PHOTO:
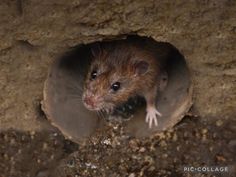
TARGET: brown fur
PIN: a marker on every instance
(116, 63)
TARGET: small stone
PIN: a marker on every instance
(168, 135)
(45, 146)
(165, 156)
(142, 149)
(152, 168)
(149, 159)
(5, 137)
(204, 131)
(161, 135)
(219, 123)
(131, 175)
(175, 160)
(23, 137)
(32, 133)
(6, 157)
(220, 158)
(13, 141)
(133, 145)
(175, 137)
(178, 148)
(107, 142)
(163, 143)
(52, 157)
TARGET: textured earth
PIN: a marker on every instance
(112, 153)
(34, 32)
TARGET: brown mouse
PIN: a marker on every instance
(122, 69)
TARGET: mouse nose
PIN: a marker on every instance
(89, 101)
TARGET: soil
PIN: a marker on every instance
(112, 153)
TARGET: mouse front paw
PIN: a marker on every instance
(151, 116)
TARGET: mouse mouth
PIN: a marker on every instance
(100, 107)
(97, 103)
(91, 103)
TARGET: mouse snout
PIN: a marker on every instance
(89, 101)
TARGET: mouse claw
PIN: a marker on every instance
(151, 116)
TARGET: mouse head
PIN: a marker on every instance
(111, 82)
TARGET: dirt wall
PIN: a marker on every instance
(34, 32)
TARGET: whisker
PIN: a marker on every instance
(74, 96)
(104, 113)
(99, 114)
(75, 88)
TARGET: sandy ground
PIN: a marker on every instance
(35, 32)
(112, 153)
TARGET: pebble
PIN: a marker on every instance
(5, 137)
(52, 157)
(178, 148)
(220, 158)
(45, 146)
(107, 142)
(219, 123)
(175, 137)
(32, 133)
(152, 168)
(6, 157)
(165, 155)
(149, 159)
(13, 141)
(132, 175)
(163, 143)
(142, 149)
(90, 165)
(204, 131)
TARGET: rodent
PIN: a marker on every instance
(122, 69)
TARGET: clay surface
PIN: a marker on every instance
(63, 90)
(33, 33)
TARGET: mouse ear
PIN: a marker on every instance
(141, 67)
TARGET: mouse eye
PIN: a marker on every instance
(93, 75)
(115, 86)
